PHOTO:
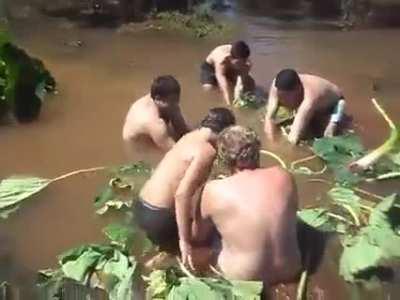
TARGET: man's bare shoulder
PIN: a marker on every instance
(318, 84)
(219, 54)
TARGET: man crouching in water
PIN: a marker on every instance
(171, 189)
(222, 68)
(319, 105)
(157, 115)
(254, 212)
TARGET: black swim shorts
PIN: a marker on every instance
(207, 74)
(158, 223)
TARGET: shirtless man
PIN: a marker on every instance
(224, 65)
(157, 115)
(253, 210)
(171, 189)
(319, 103)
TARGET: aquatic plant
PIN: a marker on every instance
(24, 81)
(17, 189)
(200, 23)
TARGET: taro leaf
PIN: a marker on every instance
(109, 199)
(338, 152)
(375, 246)
(317, 218)
(114, 269)
(348, 199)
(119, 234)
(192, 288)
(248, 100)
(247, 290)
(14, 190)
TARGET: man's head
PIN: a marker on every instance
(218, 119)
(165, 91)
(239, 148)
(240, 53)
(289, 87)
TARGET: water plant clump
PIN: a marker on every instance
(201, 23)
(24, 81)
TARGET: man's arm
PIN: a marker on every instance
(226, 88)
(270, 127)
(202, 224)
(193, 178)
(159, 134)
(179, 124)
(301, 121)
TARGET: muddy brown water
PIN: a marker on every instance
(80, 127)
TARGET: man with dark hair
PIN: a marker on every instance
(224, 65)
(254, 212)
(157, 115)
(167, 197)
(319, 105)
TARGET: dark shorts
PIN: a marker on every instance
(207, 74)
(158, 223)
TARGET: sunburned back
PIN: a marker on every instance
(323, 93)
(142, 113)
(160, 189)
(256, 217)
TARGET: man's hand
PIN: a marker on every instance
(186, 253)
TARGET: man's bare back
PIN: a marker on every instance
(160, 190)
(255, 213)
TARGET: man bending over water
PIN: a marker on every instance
(157, 115)
(319, 104)
(171, 189)
(224, 65)
(254, 212)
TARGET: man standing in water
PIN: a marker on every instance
(253, 210)
(224, 65)
(319, 104)
(157, 115)
(166, 204)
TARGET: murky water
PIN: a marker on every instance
(81, 126)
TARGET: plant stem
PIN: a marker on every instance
(276, 157)
(78, 172)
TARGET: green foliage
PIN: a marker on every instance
(318, 218)
(123, 187)
(171, 284)
(14, 190)
(338, 152)
(375, 246)
(24, 81)
(101, 266)
(249, 101)
(199, 24)
(120, 235)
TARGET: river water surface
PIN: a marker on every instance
(80, 127)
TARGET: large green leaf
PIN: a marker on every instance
(338, 152)
(348, 199)
(120, 234)
(317, 218)
(106, 266)
(374, 246)
(14, 190)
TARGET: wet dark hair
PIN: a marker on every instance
(240, 50)
(164, 86)
(287, 80)
(218, 119)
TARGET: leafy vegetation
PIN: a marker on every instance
(100, 266)
(174, 284)
(200, 24)
(24, 82)
(369, 233)
(119, 193)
